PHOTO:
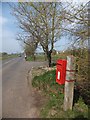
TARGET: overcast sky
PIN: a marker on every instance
(9, 29)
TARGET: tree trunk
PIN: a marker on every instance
(49, 58)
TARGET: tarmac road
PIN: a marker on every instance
(18, 100)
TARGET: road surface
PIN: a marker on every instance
(18, 100)
(0, 90)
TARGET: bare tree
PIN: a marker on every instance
(46, 21)
(76, 23)
(43, 21)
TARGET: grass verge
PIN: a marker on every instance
(53, 108)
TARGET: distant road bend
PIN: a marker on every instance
(18, 100)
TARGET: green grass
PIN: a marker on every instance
(43, 58)
(4, 57)
(53, 108)
(58, 56)
(30, 58)
(37, 58)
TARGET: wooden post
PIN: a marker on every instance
(69, 83)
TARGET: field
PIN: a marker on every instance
(37, 58)
(7, 56)
(43, 58)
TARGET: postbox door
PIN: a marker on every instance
(61, 72)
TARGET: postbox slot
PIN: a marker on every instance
(58, 75)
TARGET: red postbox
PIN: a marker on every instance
(61, 71)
